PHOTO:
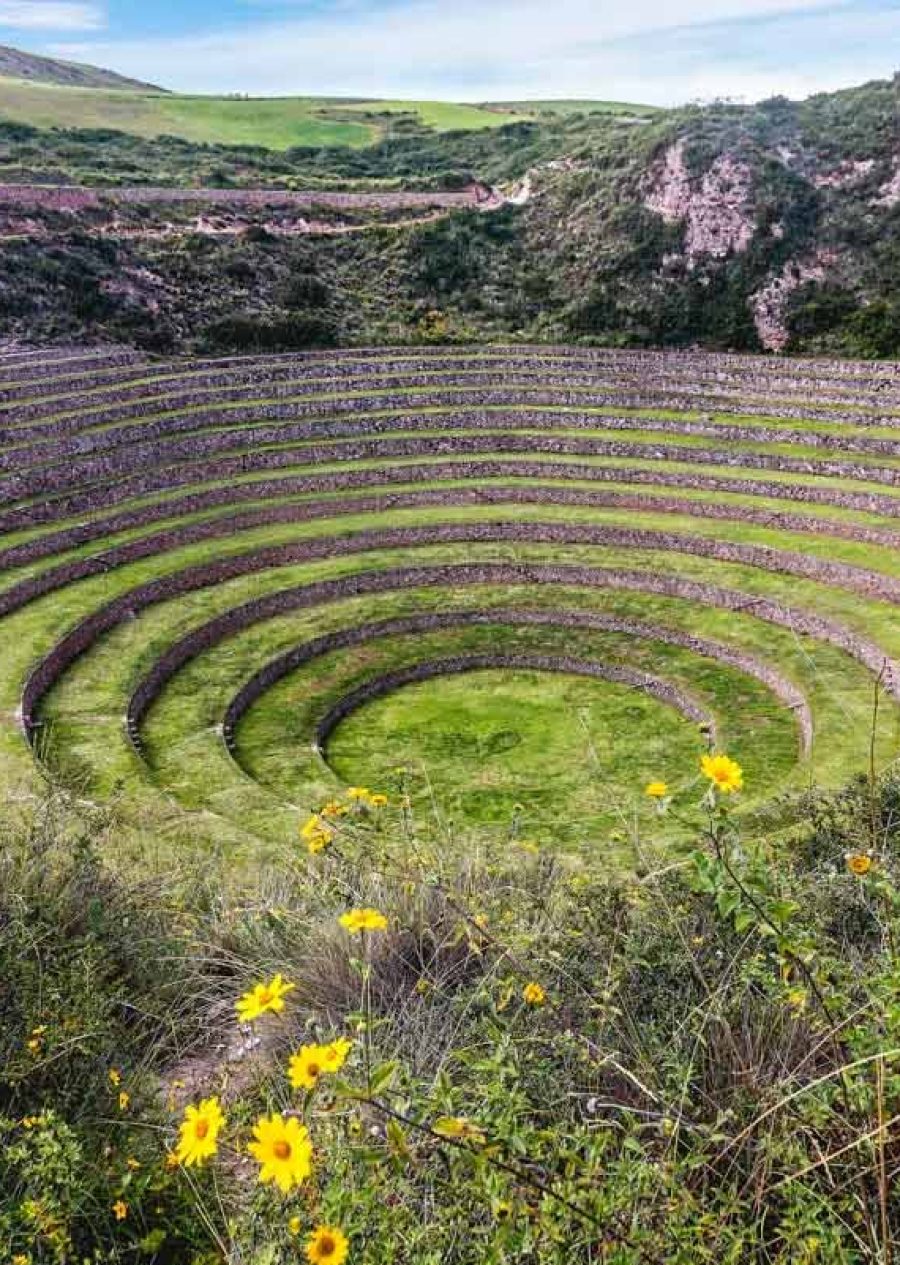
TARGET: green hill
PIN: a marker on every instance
(47, 94)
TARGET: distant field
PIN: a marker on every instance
(442, 116)
(273, 122)
(573, 107)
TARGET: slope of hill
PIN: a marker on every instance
(770, 227)
(17, 64)
(45, 93)
(273, 123)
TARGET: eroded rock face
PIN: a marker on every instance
(846, 175)
(535, 179)
(717, 211)
(770, 302)
(889, 193)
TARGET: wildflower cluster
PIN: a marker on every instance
(369, 799)
(279, 1142)
(725, 777)
(319, 830)
(312, 1062)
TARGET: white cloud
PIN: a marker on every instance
(50, 15)
(477, 50)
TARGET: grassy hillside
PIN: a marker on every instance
(574, 105)
(274, 123)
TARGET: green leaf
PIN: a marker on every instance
(381, 1077)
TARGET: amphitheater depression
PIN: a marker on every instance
(535, 576)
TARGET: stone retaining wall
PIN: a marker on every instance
(663, 691)
(276, 669)
(54, 578)
(87, 632)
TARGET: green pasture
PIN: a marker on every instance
(270, 122)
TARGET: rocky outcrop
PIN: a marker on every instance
(889, 192)
(770, 303)
(717, 212)
(847, 175)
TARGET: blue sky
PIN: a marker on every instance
(658, 51)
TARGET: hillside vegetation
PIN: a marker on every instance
(277, 123)
(769, 227)
(519, 1062)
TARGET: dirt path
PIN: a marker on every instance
(81, 198)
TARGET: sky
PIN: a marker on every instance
(655, 51)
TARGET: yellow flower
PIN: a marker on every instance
(327, 1245)
(358, 920)
(172, 1160)
(311, 1062)
(263, 998)
(458, 1127)
(316, 833)
(133, 1164)
(358, 792)
(725, 774)
(318, 841)
(115, 1077)
(315, 829)
(124, 1099)
(335, 1054)
(533, 995)
(198, 1132)
(21, 1259)
(34, 1045)
(306, 1066)
(859, 863)
(378, 801)
(656, 790)
(334, 808)
(294, 1225)
(283, 1150)
(120, 1209)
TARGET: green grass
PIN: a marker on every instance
(576, 106)
(271, 122)
(440, 116)
(566, 740)
(190, 763)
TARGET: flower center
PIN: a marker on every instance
(314, 1069)
(265, 996)
(282, 1150)
(326, 1245)
(201, 1129)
